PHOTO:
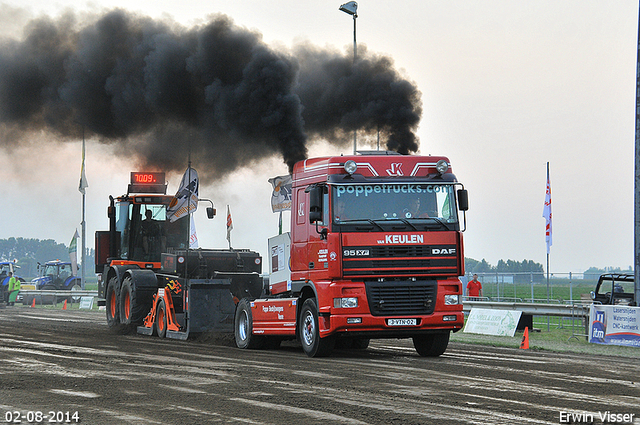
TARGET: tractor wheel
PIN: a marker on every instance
(431, 345)
(243, 327)
(309, 332)
(48, 299)
(74, 298)
(135, 302)
(161, 319)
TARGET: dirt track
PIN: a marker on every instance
(68, 361)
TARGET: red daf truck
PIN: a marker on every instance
(375, 251)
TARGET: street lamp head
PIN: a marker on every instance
(351, 8)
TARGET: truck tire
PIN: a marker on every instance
(243, 325)
(161, 319)
(431, 345)
(309, 332)
(135, 302)
(113, 311)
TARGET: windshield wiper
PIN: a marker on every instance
(407, 222)
(368, 220)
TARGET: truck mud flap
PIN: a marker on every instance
(211, 307)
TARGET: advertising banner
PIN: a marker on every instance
(615, 325)
(492, 322)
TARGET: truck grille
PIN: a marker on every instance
(405, 260)
(401, 298)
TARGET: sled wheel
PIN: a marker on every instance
(161, 319)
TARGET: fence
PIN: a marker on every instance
(566, 288)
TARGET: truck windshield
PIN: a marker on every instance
(415, 204)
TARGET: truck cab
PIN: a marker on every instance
(375, 252)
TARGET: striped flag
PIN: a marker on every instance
(229, 224)
(546, 213)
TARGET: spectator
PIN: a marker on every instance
(474, 289)
(14, 288)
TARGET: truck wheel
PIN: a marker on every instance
(135, 302)
(161, 319)
(113, 313)
(431, 345)
(309, 332)
(243, 326)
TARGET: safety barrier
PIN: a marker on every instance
(29, 296)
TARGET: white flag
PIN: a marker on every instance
(193, 237)
(186, 199)
(83, 177)
(281, 195)
(546, 212)
(73, 253)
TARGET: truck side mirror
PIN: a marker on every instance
(315, 203)
(463, 200)
(211, 212)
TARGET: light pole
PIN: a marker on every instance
(351, 8)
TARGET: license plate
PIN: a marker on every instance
(402, 322)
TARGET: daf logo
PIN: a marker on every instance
(443, 251)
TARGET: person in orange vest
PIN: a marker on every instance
(474, 288)
(14, 288)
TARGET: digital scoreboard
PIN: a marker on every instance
(147, 182)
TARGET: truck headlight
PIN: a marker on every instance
(451, 299)
(350, 302)
(350, 166)
(442, 166)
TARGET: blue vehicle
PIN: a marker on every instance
(56, 276)
(5, 268)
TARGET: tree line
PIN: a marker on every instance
(518, 268)
(30, 252)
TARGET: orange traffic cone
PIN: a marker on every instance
(33, 303)
(64, 307)
(525, 339)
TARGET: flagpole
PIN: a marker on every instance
(548, 250)
(84, 224)
(229, 226)
(186, 269)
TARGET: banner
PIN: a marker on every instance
(492, 322)
(186, 199)
(546, 212)
(73, 253)
(614, 325)
(281, 195)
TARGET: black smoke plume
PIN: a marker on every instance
(156, 90)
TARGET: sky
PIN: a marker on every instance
(506, 86)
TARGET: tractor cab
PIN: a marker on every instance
(144, 230)
(615, 289)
